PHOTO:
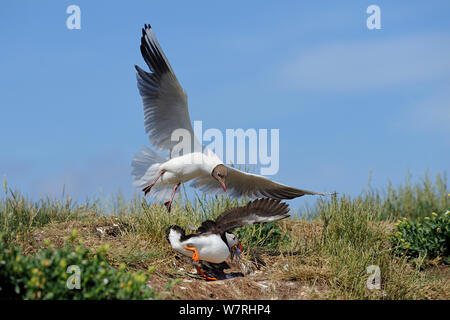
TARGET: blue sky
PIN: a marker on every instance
(347, 100)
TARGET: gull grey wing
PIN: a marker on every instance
(258, 211)
(241, 184)
(165, 101)
(253, 186)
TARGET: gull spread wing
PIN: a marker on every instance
(258, 211)
(242, 184)
(165, 101)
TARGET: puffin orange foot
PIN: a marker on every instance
(195, 256)
(204, 275)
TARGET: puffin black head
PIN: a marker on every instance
(220, 173)
(177, 229)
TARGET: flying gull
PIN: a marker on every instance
(166, 110)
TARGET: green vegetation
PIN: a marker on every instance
(47, 274)
(267, 235)
(353, 240)
(395, 229)
(427, 238)
(408, 200)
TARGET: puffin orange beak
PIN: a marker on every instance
(236, 251)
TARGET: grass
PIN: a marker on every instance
(327, 257)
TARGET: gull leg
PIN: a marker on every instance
(196, 257)
(168, 204)
(149, 187)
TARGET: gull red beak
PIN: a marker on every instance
(224, 187)
(240, 246)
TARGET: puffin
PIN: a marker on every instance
(166, 115)
(214, 242)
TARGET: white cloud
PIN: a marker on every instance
(370, 64)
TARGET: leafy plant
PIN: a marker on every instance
(47, 275)
(429, 238)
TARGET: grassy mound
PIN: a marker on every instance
(325, 258)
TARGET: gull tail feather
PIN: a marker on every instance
(145, 165)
